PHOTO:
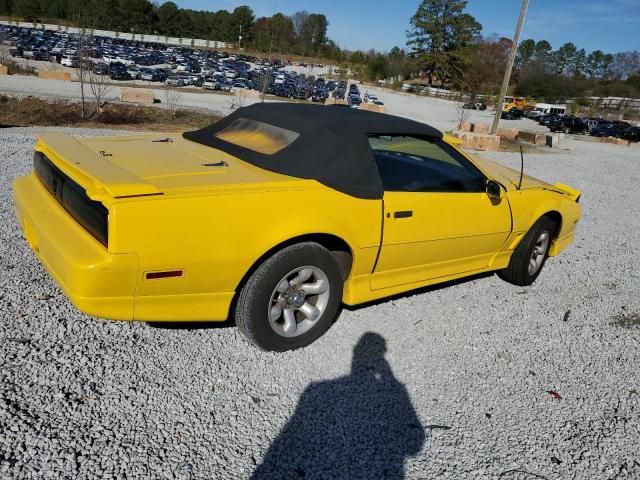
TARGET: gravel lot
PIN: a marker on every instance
(437, 112)
(462, 390)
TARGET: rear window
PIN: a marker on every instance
(92, 215)
(257, 136)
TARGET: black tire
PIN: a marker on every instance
(517, 272)
(251, 311)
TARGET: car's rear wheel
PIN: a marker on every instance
(530, 255)
(291, 299)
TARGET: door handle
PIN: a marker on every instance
(403, 214)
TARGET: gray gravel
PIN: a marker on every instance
(461, 391)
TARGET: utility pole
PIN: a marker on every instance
(507, 73)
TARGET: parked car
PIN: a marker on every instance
(132, 237)
(300, 94)
(545, 120)
(68, 61)
(101, 68)
(369, 97)
(593, 122)
(319, 95)
(513, 114)
(354, 100)
(226, 87)
(475, 106)
(175, 82)
(533, 114)
(211, 84)
(119, 74)
(569, 125)
(608, 130)
(632, 134)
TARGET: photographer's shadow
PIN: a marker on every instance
(361, 426)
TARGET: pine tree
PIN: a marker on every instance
(440, 33)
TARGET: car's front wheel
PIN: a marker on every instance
(531, 254)
(291, 299)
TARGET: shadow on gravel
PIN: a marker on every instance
(191, 325)
(361, 426)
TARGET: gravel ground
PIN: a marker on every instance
(479, 379)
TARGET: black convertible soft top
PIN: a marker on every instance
(331, 146)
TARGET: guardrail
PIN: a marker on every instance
(142, 37)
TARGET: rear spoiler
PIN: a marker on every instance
(96, 173)
(572, 192)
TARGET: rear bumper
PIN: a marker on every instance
(97, 282)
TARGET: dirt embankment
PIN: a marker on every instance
(32, 111)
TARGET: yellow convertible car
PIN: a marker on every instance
(276, 215)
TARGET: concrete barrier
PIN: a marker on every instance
(4, 70)
(615, 141)
(136, 95)
(508, 133)
(531, 137)
(559, 140)
(480, 128)
(466, 127)
(243, 92)
(372, 107)
(52, 75)
(477, 141)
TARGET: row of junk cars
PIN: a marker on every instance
(594, 126)
(125, 60)
(558, 121)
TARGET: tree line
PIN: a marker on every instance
(444, 45)
(302, 33)
(446, 49)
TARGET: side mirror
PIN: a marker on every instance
(493, 189)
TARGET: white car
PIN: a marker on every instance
(175, 82)
(146, 75)
(125, 61)
(211, 85)
(66, 61)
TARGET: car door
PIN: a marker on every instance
(438, 219)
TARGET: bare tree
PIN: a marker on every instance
(172, 97)
(100, 86)
(239, 99)
(463, 112)
(274, 29)
(84, 60)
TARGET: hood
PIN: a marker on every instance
(509, 178)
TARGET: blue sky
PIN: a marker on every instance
(609, 25)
